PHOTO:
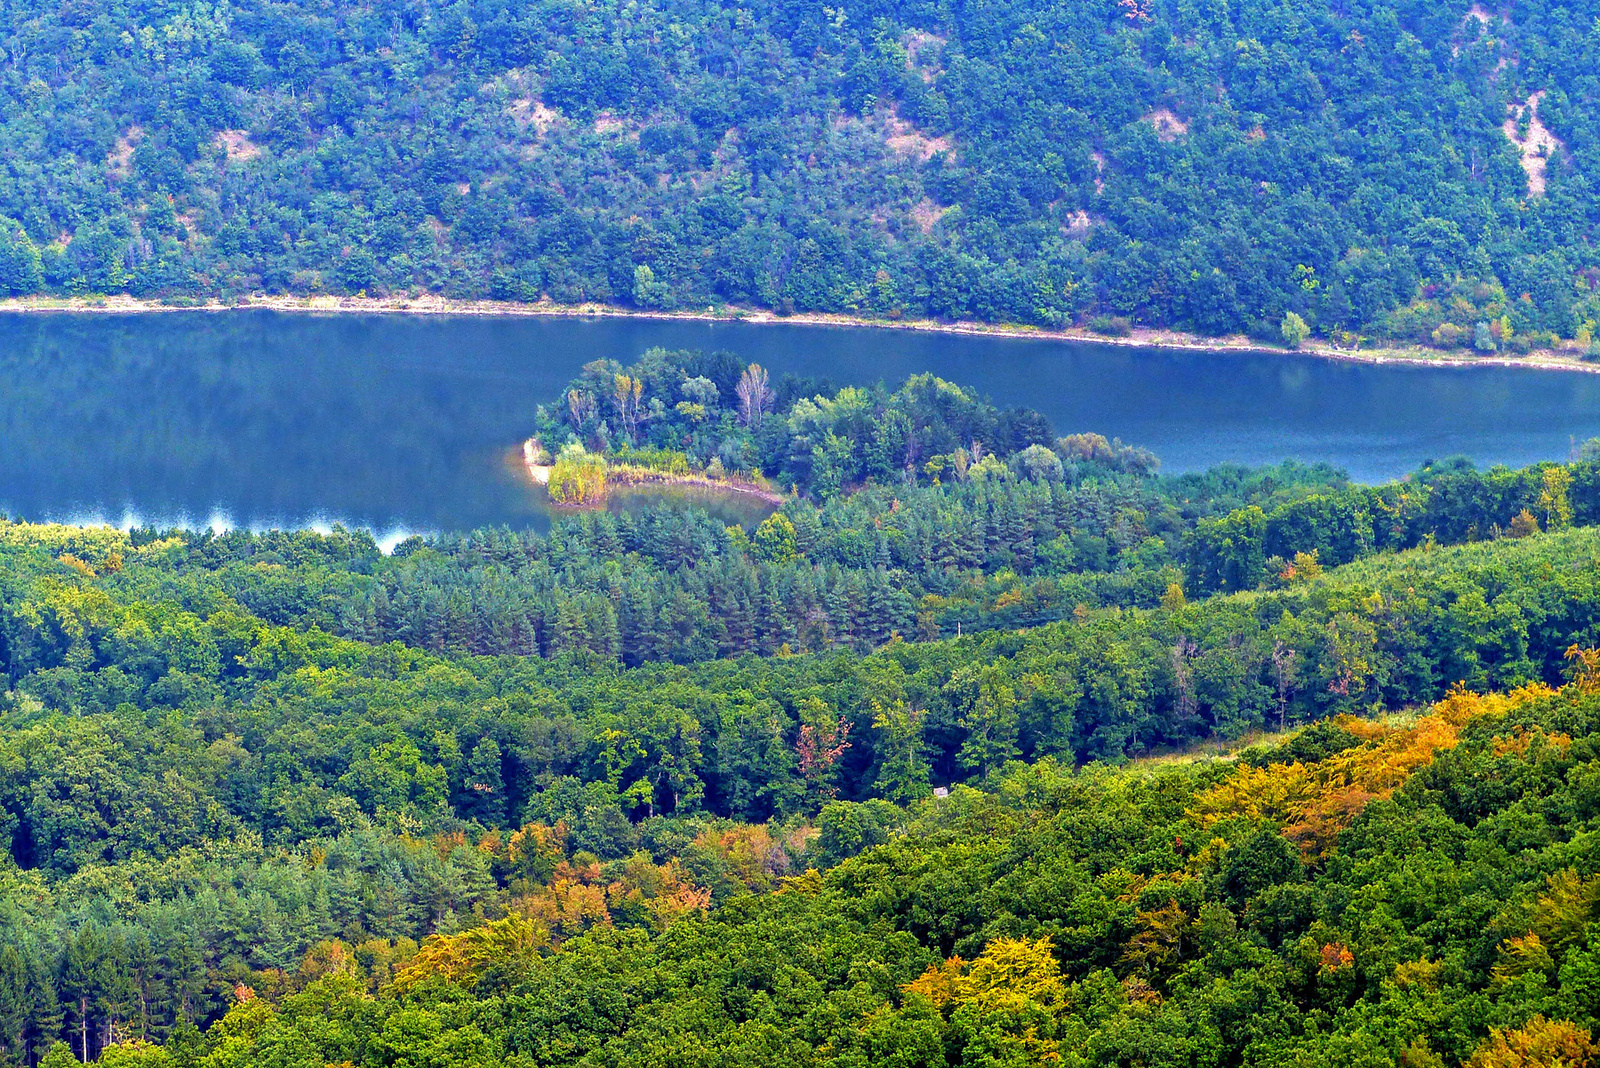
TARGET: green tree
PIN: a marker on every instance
(902, 769)
(1294, 330)
(986, 709)
(1554, 499)
(483, 792)
(1483, 338)
(775, 540)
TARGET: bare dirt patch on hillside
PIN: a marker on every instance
(1537, 147)
(1474, 23)
(1167, 124)
(531, 111)
(906, 140)
(922, 53)
(926, 214)
(238, 146)
(1078, 225)
(119, 161)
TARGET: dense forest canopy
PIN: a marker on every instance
(918, 513)
(234, 843)
(1408, 170)
(648, 790)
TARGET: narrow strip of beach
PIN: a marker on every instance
(1139, 337)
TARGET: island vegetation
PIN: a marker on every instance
(707, 418)
(578, 477)
(1385, 173)
(1042, 756)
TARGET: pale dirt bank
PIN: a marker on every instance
(626, 476)
(540, 473)
(1144, 337)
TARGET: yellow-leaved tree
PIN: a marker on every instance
(1005, 1005)
(1557, 920)
(1565, 910)
(1314, 802)
(578, 477)
(1539, 1043)
(461, 958)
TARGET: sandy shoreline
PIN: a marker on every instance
(1141, 337)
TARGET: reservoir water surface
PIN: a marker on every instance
(404, 423)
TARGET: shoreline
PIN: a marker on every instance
(1141, 337)
(633, 479)
(540, 475)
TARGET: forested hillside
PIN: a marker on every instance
(1412, 895)
(285, 863)
(1404, 170)
(215, 814)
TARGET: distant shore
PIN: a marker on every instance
(1141, 337)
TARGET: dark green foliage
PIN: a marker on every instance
(127, 701)
(1317, 742)
(243, 776)
(1159, 939)
(1003, 550)
(1213, 168)
(194, 798)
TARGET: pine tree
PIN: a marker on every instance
(183, 965)
(14, 1003)
(571, 633)
(739, 621)
(605, 637)
(772, 622)
(639, 624)
(83, 985)
(878, 614)
(46, 1017)
(119, 988)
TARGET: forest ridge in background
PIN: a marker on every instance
(1415, 172)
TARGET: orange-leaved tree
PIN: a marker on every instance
(1314, 802)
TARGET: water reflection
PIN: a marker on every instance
(400, 423)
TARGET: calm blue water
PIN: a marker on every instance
(403, 423)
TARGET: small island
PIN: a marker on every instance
(663, 422)
(708, 422)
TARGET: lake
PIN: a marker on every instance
(409, 423)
